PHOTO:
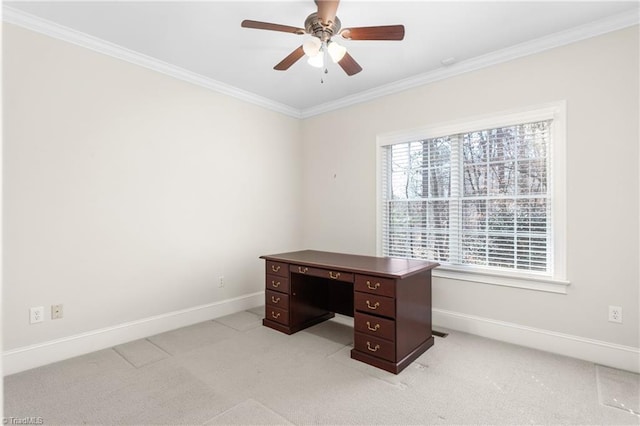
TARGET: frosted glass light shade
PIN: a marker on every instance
(316, 61)
(336, 51)
(311, 46)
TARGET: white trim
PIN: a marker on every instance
(596, 351)
(529, 283)
(379, 218)
(558, 159)
(27, 357)
(51, 29)
(572, 35)
(557, 111)
(549, 110)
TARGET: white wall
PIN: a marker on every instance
(127, 193)
(598, 78)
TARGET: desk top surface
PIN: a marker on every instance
(385, 266)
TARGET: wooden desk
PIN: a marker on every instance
(389, 299)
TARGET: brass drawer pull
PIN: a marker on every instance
(275, 268)
(333, 275)
(374, 349)
(374, 287)
(376, 328)
(274, 300)
(302, 270)
(275, 284)
(374, 307)
(275, 315)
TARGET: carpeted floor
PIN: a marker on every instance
(233, 371)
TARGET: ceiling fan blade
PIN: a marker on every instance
(327, 10)
(349, 65)
(386, 32)
(247, 23)
(290, 60)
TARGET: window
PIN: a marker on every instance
(481, 197)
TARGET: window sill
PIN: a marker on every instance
(529, 283)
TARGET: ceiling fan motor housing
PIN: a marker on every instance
(314, 26)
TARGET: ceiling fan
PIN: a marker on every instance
(322, 26)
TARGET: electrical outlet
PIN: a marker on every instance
(56, 311)
(220, 281)
(615, 314)
(36, 314)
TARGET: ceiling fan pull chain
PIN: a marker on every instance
(325, 61)
(323, 52)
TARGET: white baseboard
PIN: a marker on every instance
(596, 351)
(27, 357)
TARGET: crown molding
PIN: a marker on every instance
(572, 35)
(612, 23)
(51, 29)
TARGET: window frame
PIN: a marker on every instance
(556, 111)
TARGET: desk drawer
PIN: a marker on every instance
(277, 315)
(375, 285)
(323, 273)
(276, 299)
(277, 268)
(375, 347)
(277, 283)
(377, 305)
(375, 326)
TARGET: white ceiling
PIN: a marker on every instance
(206, 40)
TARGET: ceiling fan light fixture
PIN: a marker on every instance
(316, 61)
(311, 46)
(321, 26)
(336, 51)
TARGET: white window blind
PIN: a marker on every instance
(480, 199)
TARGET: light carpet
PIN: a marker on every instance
(234, 371)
